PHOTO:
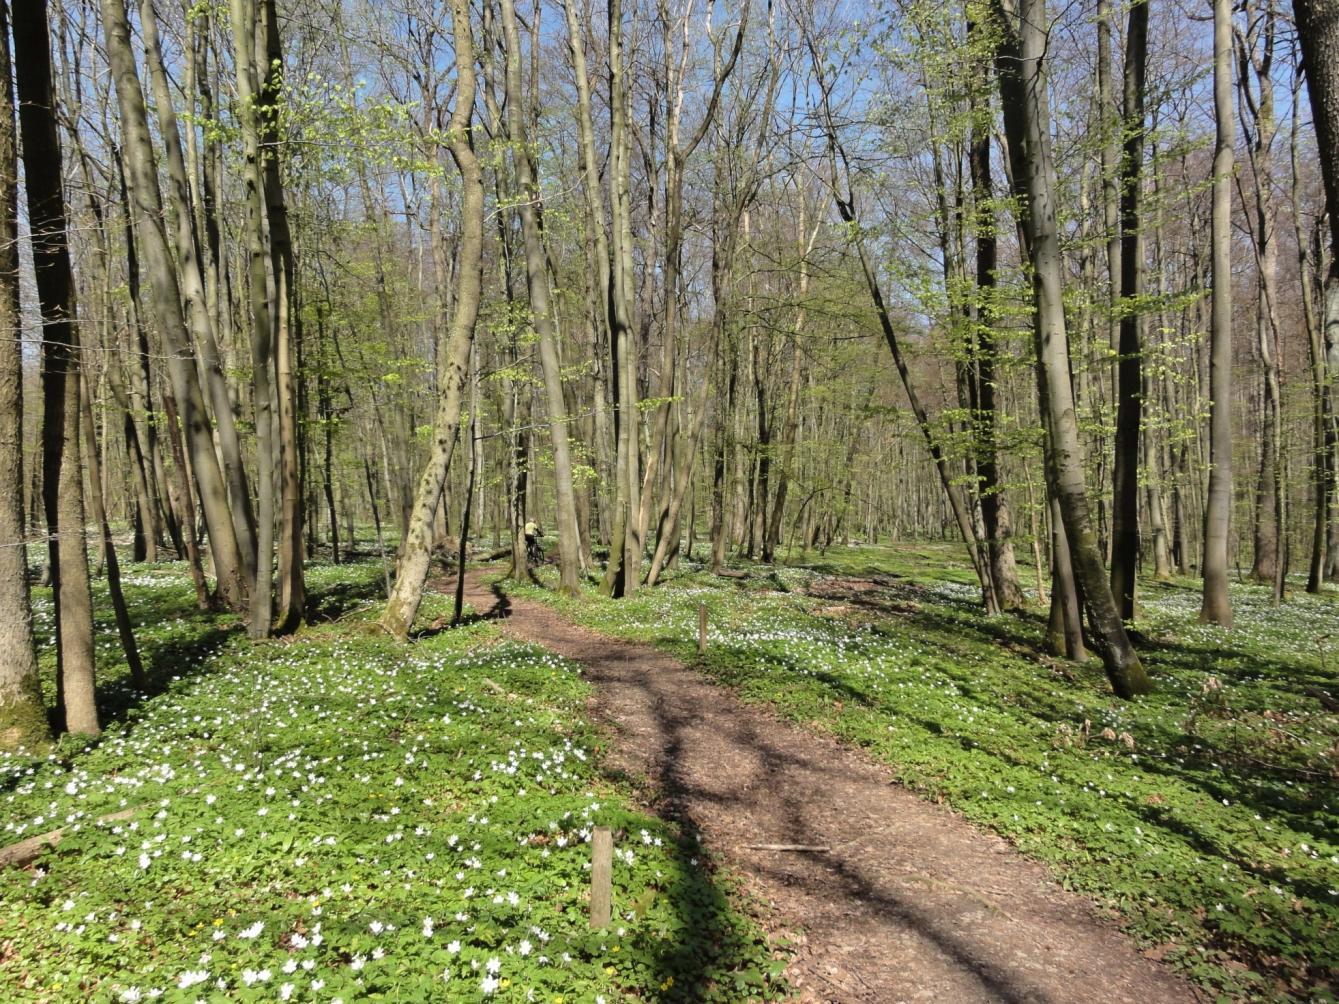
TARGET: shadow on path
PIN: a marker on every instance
(907, 902)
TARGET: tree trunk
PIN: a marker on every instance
(167, 300)
(1129, 390)
(1027, 127)
(244, 26)
(625, 551)
(416, 549)
(541, 308)
(1216, 607)
(1318, 34)
(123, 627)
(292, 598)
(192, 287)
(995, 516)
(62, 472)
(23, 721)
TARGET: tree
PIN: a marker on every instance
(1130, 388)
(530, 209)
(404, 601)
(23, 722)
(1022, 45)
(1216, 607)
(147, 211)
(1318, 36)
(62, 472)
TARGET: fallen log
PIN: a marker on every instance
(26, 851)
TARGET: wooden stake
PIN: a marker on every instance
(601, 876)
(701, 629)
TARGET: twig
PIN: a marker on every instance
(802, 848)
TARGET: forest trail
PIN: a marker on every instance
(909, 903)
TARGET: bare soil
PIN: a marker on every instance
(908, 903)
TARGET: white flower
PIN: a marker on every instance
(253, 931)
(376, 927)
(131, 995)
(454, 947)
(144, 860)
(358, 962)
(285, 991)
(427, 927)
(191, 978)
(489, 985)
(494, 965)
(524, 947)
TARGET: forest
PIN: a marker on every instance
(478, 430)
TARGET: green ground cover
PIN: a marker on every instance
(1205, 816)
(337, 817)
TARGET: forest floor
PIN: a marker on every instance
(1200, 819)
(888, 897)
(335, 816)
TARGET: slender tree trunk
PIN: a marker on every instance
(62, 472)
(416, 549)
(23, 721)
(244, 27)
(123, 627)
(1027, 126)
(292, 597)
(1322, 459)
(541, 308)
(192, 287)
(1318, 34)
(167, 300)
(996, 520)
(625, 552)
(1216, 607)
(1129, 378)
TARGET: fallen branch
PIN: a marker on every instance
(799, 848)
(26, 851)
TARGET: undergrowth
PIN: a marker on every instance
(338, 817)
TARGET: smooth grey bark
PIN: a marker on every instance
(147, 210)
(62, 472)
(625, 551)
(1021, 51)
(1129, 366)
(1216, 605)
(244, 30)
(1318, 35)
(120, 612)
(292, 594)
(23, 720)
(541, 307)
(192, 286)
(416, 553)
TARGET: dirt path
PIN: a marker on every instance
(911, 903)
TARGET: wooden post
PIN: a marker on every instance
(601, 876)
(701, 629)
